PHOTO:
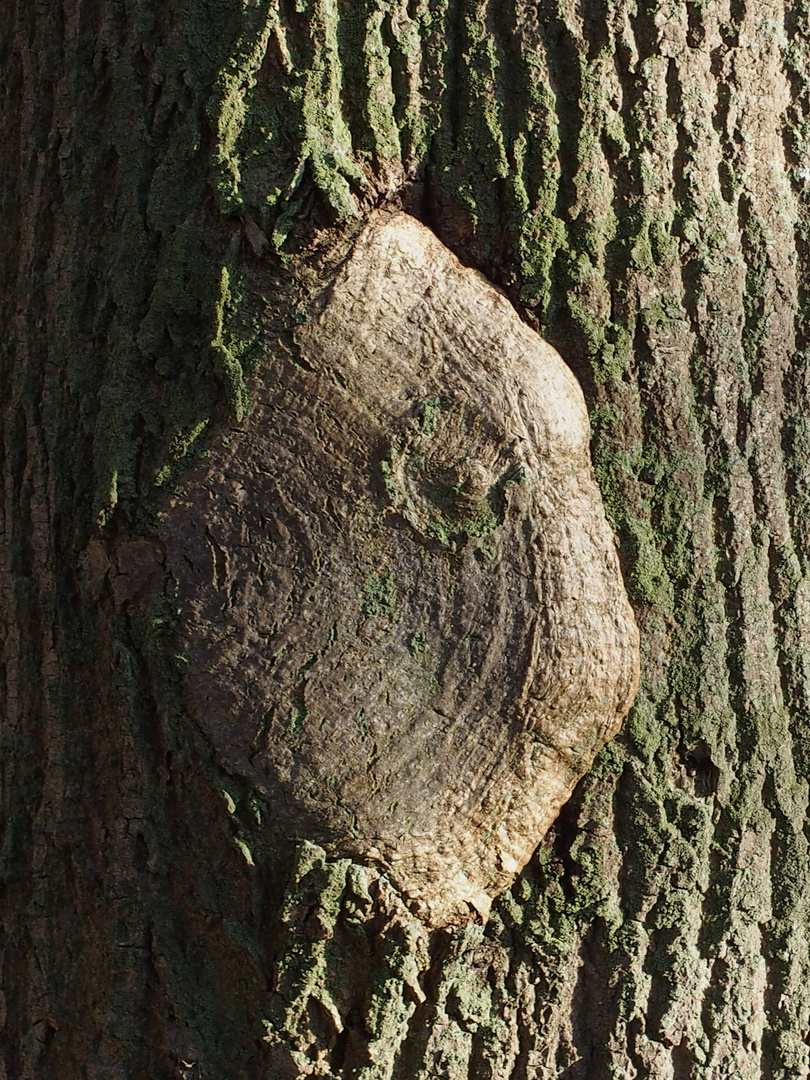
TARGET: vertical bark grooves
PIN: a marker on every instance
(635, 176)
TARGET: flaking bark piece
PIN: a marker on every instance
(404, 612)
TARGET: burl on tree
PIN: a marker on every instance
(404, 615)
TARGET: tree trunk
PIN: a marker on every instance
(180, 182)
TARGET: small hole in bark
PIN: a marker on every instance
(337, 1059)
(699, 774)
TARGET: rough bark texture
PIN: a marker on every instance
(175, 181)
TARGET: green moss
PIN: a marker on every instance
(434, 496)
(298, 717)
(304, 970)
(361, 724)
(429, 415)
(367, 75)
(380, 598)
(649, 581)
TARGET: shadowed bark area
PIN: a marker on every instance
(177, 183)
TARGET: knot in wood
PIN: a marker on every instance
(404, 613)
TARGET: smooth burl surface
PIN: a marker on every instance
(402, 605)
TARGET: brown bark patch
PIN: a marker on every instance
(404, 615)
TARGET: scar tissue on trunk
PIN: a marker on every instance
(404, 614)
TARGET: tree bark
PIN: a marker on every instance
(179, 184)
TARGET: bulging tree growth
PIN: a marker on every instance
(403, 615)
